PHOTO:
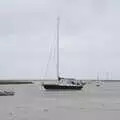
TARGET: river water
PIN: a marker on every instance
(32, 102)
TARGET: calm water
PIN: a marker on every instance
(31, 102)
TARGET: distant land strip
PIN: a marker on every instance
(5, 82)
(107, 80)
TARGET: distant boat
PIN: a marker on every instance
(98, 82)
(62, 83)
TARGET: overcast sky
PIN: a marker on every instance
(89, 38)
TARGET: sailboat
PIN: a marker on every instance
(98, 83)
(62, 83)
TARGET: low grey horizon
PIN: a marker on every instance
(89, 38)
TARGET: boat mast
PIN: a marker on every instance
(97, 75)
(57, 65)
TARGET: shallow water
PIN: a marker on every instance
(31, 102)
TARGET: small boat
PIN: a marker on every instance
(83, 82)
(97, 84)
(6, 93)
(62, 83)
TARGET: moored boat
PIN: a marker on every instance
(62, 83)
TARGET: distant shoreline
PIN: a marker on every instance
(108, 80)
(5, 82)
